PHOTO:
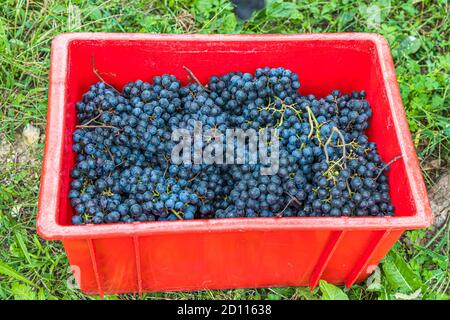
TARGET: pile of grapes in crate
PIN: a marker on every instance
(319, 160)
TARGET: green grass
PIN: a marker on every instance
(418, 32)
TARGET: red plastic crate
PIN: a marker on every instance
(228, 253)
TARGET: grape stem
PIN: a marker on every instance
(312, 120)
(193, 178)
(93, 119)
(193, 77)
(167, 166)
(294, 198)
(177, 214)
(110, 154)
(102, 126)
(280, 214)
(387, 165)
(344, 151)
(94, 69)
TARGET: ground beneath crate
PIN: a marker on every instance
(23, 149)
(20, 159)
(440, 201)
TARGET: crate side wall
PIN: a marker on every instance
(382, 131)
(186, 262)
(81, 264)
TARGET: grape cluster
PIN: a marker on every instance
(123, 142)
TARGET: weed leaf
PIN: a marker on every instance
(10, 272)
(413, 296)
(374, 281)
(410, 45)
(229, 23)
(399, 275)
(22, 292)
(331, 292)
(279, 9)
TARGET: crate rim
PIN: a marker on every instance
(47, 218)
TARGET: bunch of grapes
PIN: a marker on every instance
(123, 170)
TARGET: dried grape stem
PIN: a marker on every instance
(387, 165)
(100, 77)
(294, 198)
(110, 154)
(84, 126)
(192, 179)
(193, 77)
(280, 214)
(93, 119)
(167, 166)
